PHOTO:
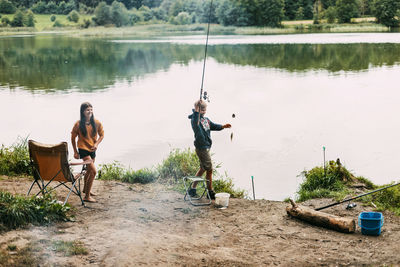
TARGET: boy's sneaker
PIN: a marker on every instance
(192, 192)
(212, 194)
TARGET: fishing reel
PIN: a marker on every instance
(206, 97)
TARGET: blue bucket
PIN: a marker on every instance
(370, 223)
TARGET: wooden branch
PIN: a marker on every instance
(341, 224)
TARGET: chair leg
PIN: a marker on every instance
(205, 192)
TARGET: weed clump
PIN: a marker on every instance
(330, 181)
(17, 211)
(14, 160)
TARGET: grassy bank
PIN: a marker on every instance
(335, 181)
(178, 164)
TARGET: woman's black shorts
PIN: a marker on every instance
(84, 153)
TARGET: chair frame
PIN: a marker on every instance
(195, 201)
(65, 170)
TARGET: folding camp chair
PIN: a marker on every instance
(196, 201)
(50, 163)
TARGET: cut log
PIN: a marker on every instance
(341, 224)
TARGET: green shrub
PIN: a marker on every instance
(116, 171)
(14, 160)
(178, 164)
(17, 211)
(57, 24)
(111, 171)
(30, 19)
(73, 16)
(85, 24)
(328, 182)
(52, 18)
(5, 21)
(330, 14)
(226, 185)
(142, 176)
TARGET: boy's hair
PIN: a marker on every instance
(200, 103)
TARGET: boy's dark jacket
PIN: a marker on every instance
(202, 130)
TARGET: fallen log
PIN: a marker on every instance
(341, 224)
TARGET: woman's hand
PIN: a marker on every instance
(76, 155)
(94, 147)
(226, 126)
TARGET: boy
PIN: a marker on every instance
(202, 142)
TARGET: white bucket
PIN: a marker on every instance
(222, 200)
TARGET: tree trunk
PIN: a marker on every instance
(341, 224)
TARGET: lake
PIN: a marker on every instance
(291, 94)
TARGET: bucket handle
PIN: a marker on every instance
(370, 229)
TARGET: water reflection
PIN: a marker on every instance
(59, 63)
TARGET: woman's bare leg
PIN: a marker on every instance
(91, 171)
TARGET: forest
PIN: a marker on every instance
(262, 13)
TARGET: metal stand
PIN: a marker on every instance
(196, 201)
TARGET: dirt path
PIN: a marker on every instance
(134, 225)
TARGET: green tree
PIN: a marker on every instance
(175, 8)
(146, 13)
(230, 13)
(18, 20)
(30, 19)
(51, 8)
(300, 13)
(73, 16)
(385, 12)
(6, 7)
(269, 13)
(39, 8)
(290, 8)
(308, 7)
(102, 14)
(183, 18)
(119, 14)
(346, 10)
(330, 14)
(159, 13)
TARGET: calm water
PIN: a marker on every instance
(291, 94)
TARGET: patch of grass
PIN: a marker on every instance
(225, 184)
(142, 176)
(336, 182)
(329, 182)
(14, 160)
(17, 211)
(116, 171)
(388, 199)
(178, 164)
(69, 248)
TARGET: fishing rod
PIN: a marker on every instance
(204, 63)
(205, 55)
(352, 198)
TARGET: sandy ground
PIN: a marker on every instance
(148, 225)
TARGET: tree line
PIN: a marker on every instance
(225, 12)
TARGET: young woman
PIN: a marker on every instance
(90, 133)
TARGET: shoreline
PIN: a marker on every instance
(289, 27)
